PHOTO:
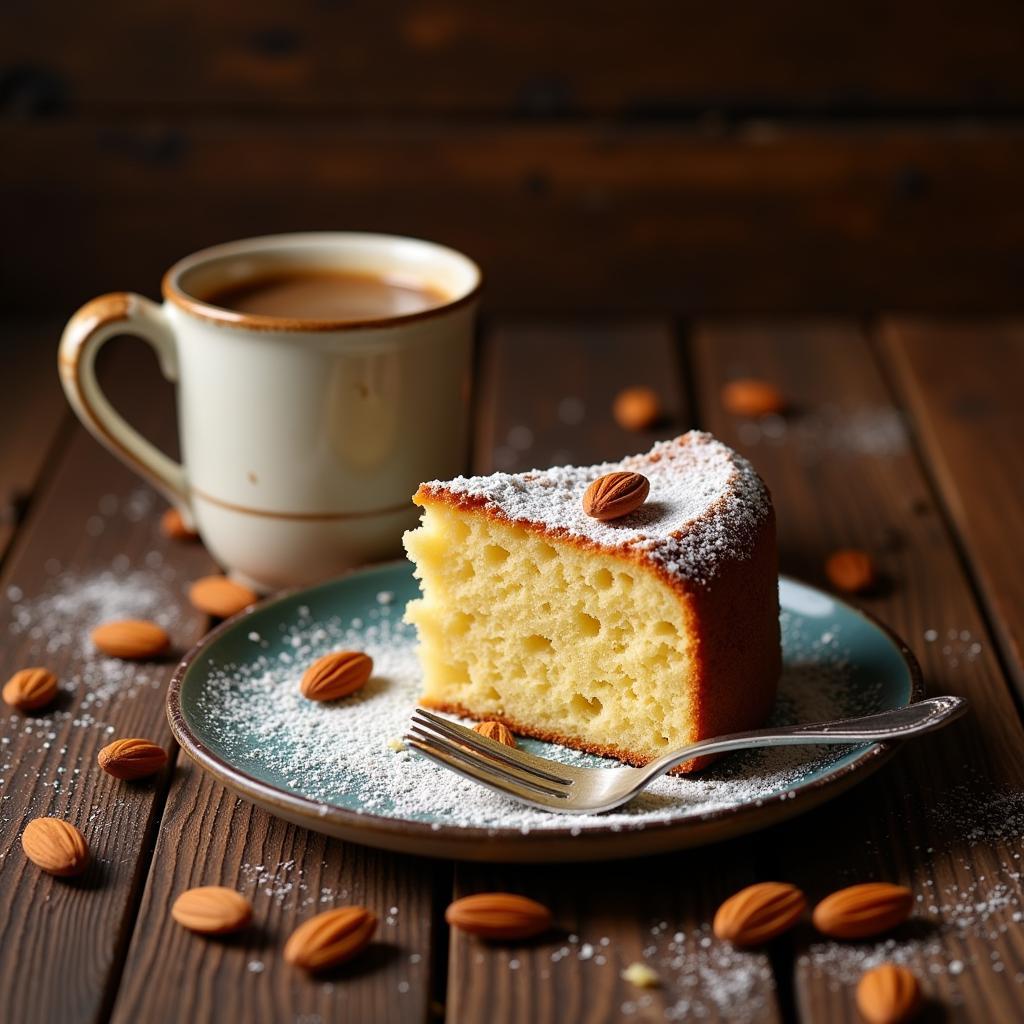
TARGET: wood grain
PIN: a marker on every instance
(946, 815)
(535, 58)
(962, 381)
(32, 414)
(563, 217)
(91, 517)
(608, 916)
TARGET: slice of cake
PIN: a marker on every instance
(627, 637)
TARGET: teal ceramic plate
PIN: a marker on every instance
(338, 768)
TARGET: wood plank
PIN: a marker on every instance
(962, 382)
(533, 58)
(91, 549)
(945, 817)
(608, 916)
(209, 837)
(562, 216)
(32, 414)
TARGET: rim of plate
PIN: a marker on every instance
(392, 833)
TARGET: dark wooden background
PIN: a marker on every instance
(680, 156)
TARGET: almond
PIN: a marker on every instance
(752, 397)
(30, 689)
(759, 913)
(55, 846)
(615, 494)
(212, 910)
(888, 995)
(173, 525)
(636, 408)
(330, 938)
(131, 639)
(220, 597)
(850, 570)
(499, 915)
(132, 758)
(336, 675)
(496, 731)
(863, 910)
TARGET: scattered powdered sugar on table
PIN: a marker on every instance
(706, 504)
(343, 754)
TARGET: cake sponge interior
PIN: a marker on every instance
(559, 641)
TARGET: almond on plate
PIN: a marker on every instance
(863, 910)
(132, 758)
(212, 910)
(30, 689)
(759, 913)
(888, 994)
(336, 675)
(751, 397)
(637, 408)
(499, 915)
(615, 495)
(220, 597)
(173, 525)
(56, 846)
(330, 938)
(851, 571)
(131, 639)
(496, 731)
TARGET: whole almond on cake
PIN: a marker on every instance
(860, 911)
(212, 910)
(752, 398)
(336, 675)
(30, 689)
(497, 731)
(759, 913)
(56, 846)
(330, 938)
(499, 915)
(625, 638)
(637, 408)
(851, 571)
(173, 525)
(220, 597)
(888, 994)
(615, 495)
(132, 758)
(131, 639)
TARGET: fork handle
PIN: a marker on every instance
(924, 716)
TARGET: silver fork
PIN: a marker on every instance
(553, 786)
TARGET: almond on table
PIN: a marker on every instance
(220, 597)
(336, 675)
(860, 911)
(497, 731)
(759, 913)
(132, 758)
(499, 915)
(131, 639)
(888, 994)
(173, 525)
(752, 398)
(56, 846)
(30, 689)
(637, 408)
(212, 910)
(615, 495)
(851, 571)
(330, 938)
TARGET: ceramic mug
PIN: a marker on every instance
(302, 440)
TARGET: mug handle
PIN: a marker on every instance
(86, 332)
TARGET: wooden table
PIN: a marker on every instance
(906, 439)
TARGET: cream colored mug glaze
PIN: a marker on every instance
(302, 440)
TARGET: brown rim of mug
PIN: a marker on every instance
(259, 322)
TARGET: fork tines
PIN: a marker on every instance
(482, 759)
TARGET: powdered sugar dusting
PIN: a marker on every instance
(705, 505)
(343, 754)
